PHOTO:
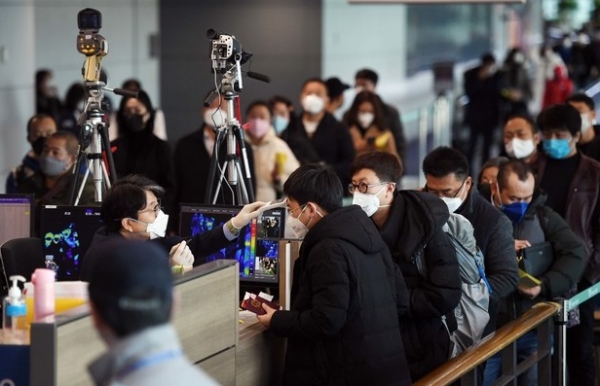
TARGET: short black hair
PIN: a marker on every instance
(315, 80)
(488, 58)
(367, 73)
(444, 161)
(582, 98)
(527, 118)
(36, 118)
(494, 162)
(132, 84)
(515, 166)
(280, 99)
(315, 183)
(258, 103)
(71, 141)
(125, 198)
(386, 166)
(560, 117)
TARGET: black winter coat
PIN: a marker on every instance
(569, 254)
(200, 245)
(331, 144)
(342, 328)
(414, 225)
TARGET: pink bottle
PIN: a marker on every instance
(43, 292)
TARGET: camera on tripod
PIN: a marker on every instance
(89, 41)
(225, 50)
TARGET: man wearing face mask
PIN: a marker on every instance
(533, 223)
(521, 139)
(39, 127)
(410, 222)
(318, 137)
(193, 154)
(273, 158)
(589, 143)
(132, 210)
(347, 293)
(51, 184)
(572, 181)
(447, 174)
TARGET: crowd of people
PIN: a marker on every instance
(363, 310)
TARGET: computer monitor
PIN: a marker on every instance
(257, 247)
(66, 233)
(16, 216)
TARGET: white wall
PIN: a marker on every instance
(17, 67)
(42, 34)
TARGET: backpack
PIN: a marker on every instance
(471, 313)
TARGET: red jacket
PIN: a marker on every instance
(558, 89)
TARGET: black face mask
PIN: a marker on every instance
(38, 145)
(134, 122)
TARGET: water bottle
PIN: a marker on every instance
(51, 264)
(43, 292)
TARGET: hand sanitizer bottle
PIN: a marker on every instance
(15, 312)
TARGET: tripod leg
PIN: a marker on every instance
(242, 190)
(74, 176)
(83, 180)
(109, 158)
(223, 169)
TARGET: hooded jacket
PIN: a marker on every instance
(342, 328)
(414, 225)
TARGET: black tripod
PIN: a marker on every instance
(93, 141)
(239, 177)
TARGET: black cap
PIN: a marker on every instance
(335, 87)
(127, 278)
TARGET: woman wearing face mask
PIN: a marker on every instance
(138, 150)
(410, 222)
(132, 210)
(367, 125)
(273, 159)
(282, 113)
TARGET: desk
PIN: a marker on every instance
(206, 321)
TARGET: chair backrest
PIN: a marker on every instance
(20, 257)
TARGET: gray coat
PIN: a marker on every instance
(151, 357)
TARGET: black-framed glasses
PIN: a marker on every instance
(441, 193)
(363, 187)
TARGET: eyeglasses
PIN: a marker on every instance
(362, 187)
(290, 211)
(445, 193)
(155, 209)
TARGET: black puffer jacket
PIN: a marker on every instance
(342, 328)
(414, 225)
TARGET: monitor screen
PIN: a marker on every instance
(257, 247)
(66, 233)
(16, 216)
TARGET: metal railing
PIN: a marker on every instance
(464, 366)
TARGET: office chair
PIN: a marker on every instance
(20, 257)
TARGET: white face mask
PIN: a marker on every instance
(158, 228)
(365, 119)
(215, 117)
(300, 230)
(369, 203)
(313, 104)
(586, 123)
(453, 203)
(519, 148)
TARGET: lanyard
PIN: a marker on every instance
(149, 361)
